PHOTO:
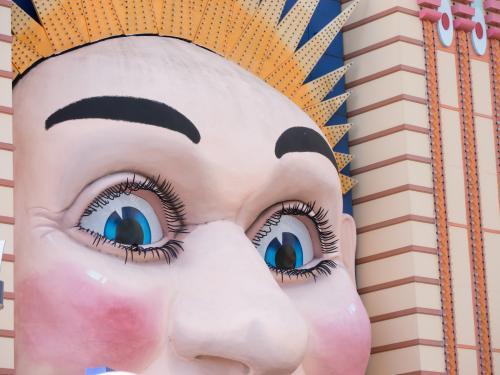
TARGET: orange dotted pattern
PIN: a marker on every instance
(289, 33)
(30, 34)
(136, 16)
(334, 133)
(243, 12)
(342, 159)
(323, 111)
(347, 183)
(74, 8)
(212, 32)
(252, 48)
(59, 25)
(450, 345)
(290, 76)
(22, 56)
(315, 91)
(474, 208)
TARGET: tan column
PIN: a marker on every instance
(397, 263)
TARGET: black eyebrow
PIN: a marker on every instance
(125, 108)
(300, 139)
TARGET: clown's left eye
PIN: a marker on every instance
(294, 240)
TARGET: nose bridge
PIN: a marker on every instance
(231, 308)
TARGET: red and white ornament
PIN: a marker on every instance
(445, 24)
(479, 37)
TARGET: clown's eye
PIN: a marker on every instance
(288, 245)
(137, 218)
(127, 219)
(294, 240)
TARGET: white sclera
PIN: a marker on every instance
(97, 220)
(291, 224)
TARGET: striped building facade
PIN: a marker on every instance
(426, 146)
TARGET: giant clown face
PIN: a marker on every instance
(177, 215)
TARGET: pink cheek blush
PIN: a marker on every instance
(66, 320)
(341, 342)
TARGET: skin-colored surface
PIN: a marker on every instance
(217, 308)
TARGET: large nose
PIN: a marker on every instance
(230, 307)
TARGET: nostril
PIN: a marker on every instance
(219, 365)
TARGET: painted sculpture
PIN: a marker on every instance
(179, 208)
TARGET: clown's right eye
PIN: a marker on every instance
(138, 217)
(127, 220)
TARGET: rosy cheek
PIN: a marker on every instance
(342, 341)
(69, 320)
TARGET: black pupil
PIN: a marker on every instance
(286, 257)
(129, 232)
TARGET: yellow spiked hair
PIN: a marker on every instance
(248, 32)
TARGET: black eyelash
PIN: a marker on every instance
(327, 236)
(172, 207)
(323, 268)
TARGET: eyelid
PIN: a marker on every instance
(173, 208)
(85, 197)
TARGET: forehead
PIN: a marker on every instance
(212, 92)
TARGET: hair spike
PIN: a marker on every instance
(101, 19)
(289, 33)
(323, 111)
(290, 76)
(135, 16)
(61, 29)
(343, 160)
(30, 34)
(250, 50)
(315, 91)
(347, 183)
(75, 11)
(335, 133)
(212, 31)
(241, 15)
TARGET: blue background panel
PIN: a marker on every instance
(333, 59)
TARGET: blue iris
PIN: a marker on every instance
(132, 228)
(286, 254)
